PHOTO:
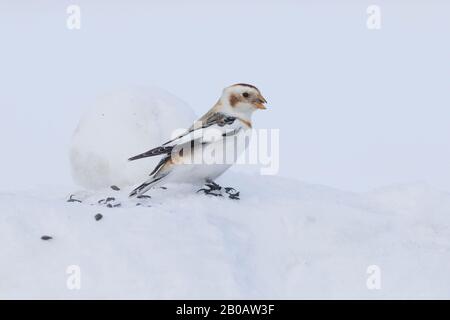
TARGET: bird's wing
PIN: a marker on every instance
(209, 120)
(194, 135)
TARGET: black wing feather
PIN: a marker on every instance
(217, 118)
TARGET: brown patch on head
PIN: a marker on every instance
(233, 100)
(245, 85)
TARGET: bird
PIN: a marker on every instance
(229, 120)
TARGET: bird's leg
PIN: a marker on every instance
(212, 185)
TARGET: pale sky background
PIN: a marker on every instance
(356, 108)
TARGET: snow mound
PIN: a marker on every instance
(283, 239)
(120, 125)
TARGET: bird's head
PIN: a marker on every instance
(243, 98)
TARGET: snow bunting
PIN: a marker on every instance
(229, 120)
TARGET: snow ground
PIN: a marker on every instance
(308, 241)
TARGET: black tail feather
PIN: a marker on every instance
(153, 152)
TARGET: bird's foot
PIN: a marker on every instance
(232, 193)
(213, 189)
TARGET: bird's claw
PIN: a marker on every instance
(232, 193)
(210, 192)
(212, 188)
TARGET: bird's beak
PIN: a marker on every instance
(259, 103)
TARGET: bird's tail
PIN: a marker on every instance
(143, 188)
(151, 153)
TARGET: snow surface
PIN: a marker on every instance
(120, 125)
(283, 239)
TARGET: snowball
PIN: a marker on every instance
(119, 126)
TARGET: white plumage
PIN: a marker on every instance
(211, 145)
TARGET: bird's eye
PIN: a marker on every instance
(245, 94)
